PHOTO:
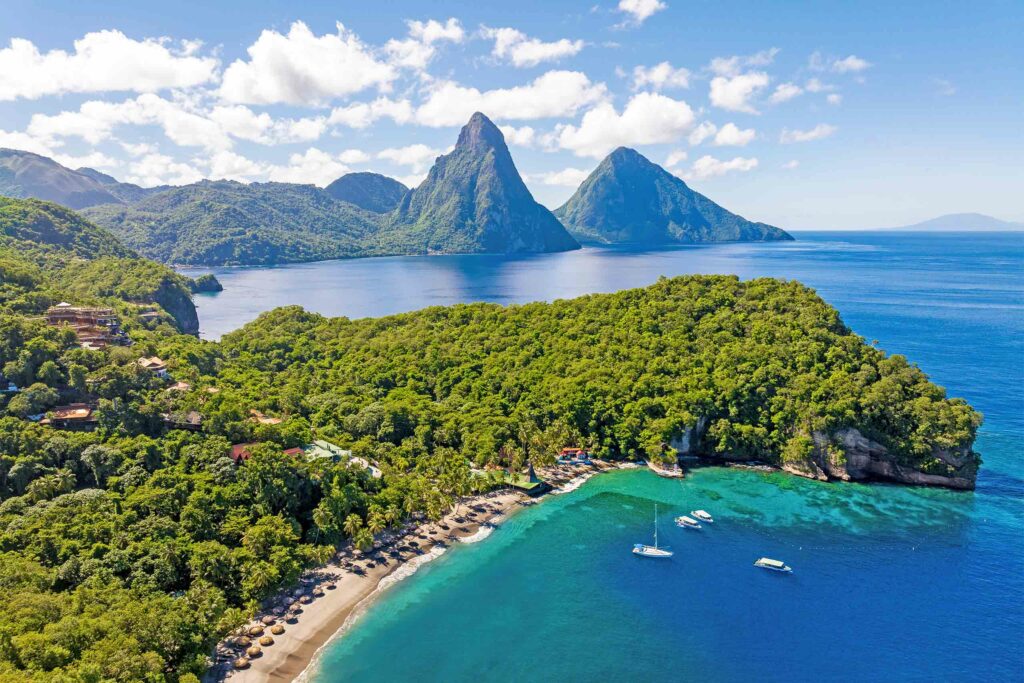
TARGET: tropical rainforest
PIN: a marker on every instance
(128, 550)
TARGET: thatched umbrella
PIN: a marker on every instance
(306, 599)
(331, 586)
(254, 651)
(278, 611)
(277, 629)
(268, 620)
(241, 641)
(266, 640)
(256, 630)
(318, 592)
(241, 663)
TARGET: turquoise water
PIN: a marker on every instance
(890, 583)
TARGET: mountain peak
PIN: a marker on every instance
(480, 131)
(628, 198)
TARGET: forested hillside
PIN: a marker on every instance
(126, 551)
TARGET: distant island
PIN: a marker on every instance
(966, 222)
(473, 201)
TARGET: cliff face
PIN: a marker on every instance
(177, 301)
(848, 455)
(474, 201)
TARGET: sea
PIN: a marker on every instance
(889, 583)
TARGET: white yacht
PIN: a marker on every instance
(643, 550)
(774, 565)
(703, 516)
(687, 522)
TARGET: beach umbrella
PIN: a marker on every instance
(267, 620)
(306, 599)
(242, 641)
(277, 629)
(254, 651)
(278, 611)
(331, 586)
(318, 592)
(241, 663)
(266, 640)
(256, 630)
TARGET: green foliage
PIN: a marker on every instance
(370, 191)
(629, 199)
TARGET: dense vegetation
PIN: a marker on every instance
(125, 552)
(226, 222)
(371, 191)
(474, 201)
(627, 198)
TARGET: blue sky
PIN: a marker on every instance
(823, 115)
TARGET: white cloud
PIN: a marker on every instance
(411, 180)
(95, 120)
(660, 76)
(314, 166)
(850, 64)
(944, 87)
(417, 157)
(785, 92)
(353, 156)
(139, 149)
(90, 160)
(734, 92)
(418, 49)
(709, 167)
(521, 50)
(639, 10)
(524, 136)
(24, 141)
(647, 119)
(227, 165)
(834, 98)
(567, 177)
(791, 164)
(675, 157)
(820, 131)
(101, 61)
(364, 114)
(732, 66)
(815, 85)
(303, 68)
(702, 132)
(554, 94)
(243, 123)
(730, 135)
(160, 169)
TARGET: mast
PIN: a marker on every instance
(655, 526)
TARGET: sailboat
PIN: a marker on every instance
(643, 550)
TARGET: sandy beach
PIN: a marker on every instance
(340, 590)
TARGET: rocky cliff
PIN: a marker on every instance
(474, 201)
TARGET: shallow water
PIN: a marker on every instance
(890, 583)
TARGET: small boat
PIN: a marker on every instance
(703, 516)
(643, 550)
(687, 522)
(774, 565)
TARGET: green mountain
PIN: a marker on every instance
(125, 192)
(371, 191)
(629, 199)
(24, 174)
(230, 223)
(49, 253)
(474, 201)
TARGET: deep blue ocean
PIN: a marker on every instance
(889, 583)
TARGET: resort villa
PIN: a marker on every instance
(95, 328)
(154, 365)
(72, 417)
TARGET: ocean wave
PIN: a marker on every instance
(403, 572)
(573, 483)
(483, 532)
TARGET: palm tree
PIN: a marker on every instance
(376, 522)
(353, 524)
(363, 539)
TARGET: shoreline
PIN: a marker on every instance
(359, 578)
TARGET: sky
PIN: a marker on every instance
(826, 115)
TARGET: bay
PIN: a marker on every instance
(890, 583)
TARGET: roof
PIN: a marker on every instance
(73, 411)
(152, 363)
(325, 449)
(240, 451)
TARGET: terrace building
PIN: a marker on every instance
(95, 328)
